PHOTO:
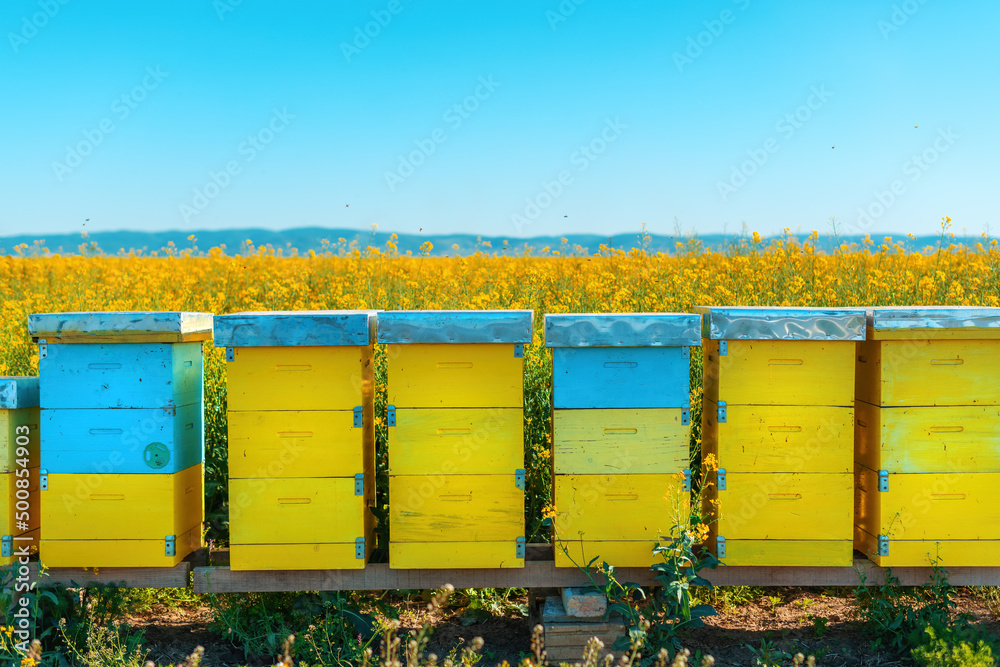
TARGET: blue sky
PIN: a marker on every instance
(513, 118)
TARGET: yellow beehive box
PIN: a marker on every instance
(618, 519)
(121, 520)
(621, 430)
(928, 437)
(19, 456)
(301, 438)
(778, 434)
(456, 437)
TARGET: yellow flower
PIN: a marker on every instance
(710, 462)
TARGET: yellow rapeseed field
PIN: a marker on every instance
(782, 271)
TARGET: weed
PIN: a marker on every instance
(948, 648)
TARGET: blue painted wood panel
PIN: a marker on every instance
(127, 375)
(621, 377)
(130, 441)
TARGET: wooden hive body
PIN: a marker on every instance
(777, 434)
(301, 438)
(19, 458)
(928, 437)
(122, 443)
(456, 437)
(620, 434)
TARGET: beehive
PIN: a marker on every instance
(122, 446)
(777, 433)
(19, 505)
(301, 438)
(456, 437)
(620, 433)
(928, 437)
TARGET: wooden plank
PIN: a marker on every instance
(456, 441)
(487, 375)
(473, 508)
(295, 443)
(782, 372)
(297, 378)
(151, 375)
(177, 576)
(132, 441)
(620, 441)
(928, 439)
(89, 508)
(768, 438)
(788, 506)
(324, 510)
(379, 577)
(76, 337)
(928, 372)
(621, 377)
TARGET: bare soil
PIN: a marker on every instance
(819, 622)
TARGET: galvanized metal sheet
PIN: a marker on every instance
(751, 323)
(622, 330)
(921, 318)
(120, 321)
(295, 328)
(18, 392)
(455, 326)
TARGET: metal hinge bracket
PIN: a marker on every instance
(170, 545)
(390, 415)
(883, 545)
(359, 547)
(230, 354)
(359, 417)
(359, 484)
(686, 352)
(43, 480)
(43, 348)
(519, 478)
(723, 348)
(883, 481)
(7, 546)
(685, 417)
(519, 350)
(720, 547)
(721, 483)
(721, 413)
(520, 547)
(687, 480)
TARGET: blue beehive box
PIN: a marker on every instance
(122, 447)
(620, 432)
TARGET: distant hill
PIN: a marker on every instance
(312, 238)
